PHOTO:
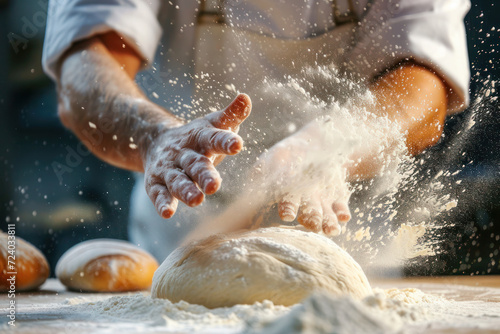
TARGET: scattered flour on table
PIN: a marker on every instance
(435, 308)
(384, 311)
(158, 312)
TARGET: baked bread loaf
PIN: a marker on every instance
(30, 265)
(106, 265)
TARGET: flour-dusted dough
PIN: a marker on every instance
(106, 265)
(30, 265)
(277, 264)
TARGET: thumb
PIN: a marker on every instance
(234, 114)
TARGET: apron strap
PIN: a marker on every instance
(210, 11)
(343, 12)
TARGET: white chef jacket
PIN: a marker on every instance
(431, 32)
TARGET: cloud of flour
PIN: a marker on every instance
(335, 117)
(331, 123)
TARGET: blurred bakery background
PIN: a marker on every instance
(59, 195)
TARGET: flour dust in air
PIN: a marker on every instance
(331, 121)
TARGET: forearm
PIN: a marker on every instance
(414, 98)
(102, 105)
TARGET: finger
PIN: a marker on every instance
(288, 207)
(330, 223)
(164, 202)
(342, 212)
(201, 170)
(234, 114)
(217, 159)
(311, 215)
(182, 187)
(216, 141)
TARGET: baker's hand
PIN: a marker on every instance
(180, 164)
(304, 187)
(317, 211)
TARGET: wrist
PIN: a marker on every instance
(156, 124)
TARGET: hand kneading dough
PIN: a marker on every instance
(30, 265)
(277, 264)
(106, 265)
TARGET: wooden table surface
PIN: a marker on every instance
(472, 288)
(476, 280)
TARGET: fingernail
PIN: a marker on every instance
(194, 199)
(314, 223)
(327, 229)
(287, 210)
(209, 186)
(343, 216)
(287, 216)
(166, 212)
(335, 232)
(331, 228)
(233, 145)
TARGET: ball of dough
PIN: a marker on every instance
(31, 266)
(105, 265)
(277, 264)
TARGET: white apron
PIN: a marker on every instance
(230, 60)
